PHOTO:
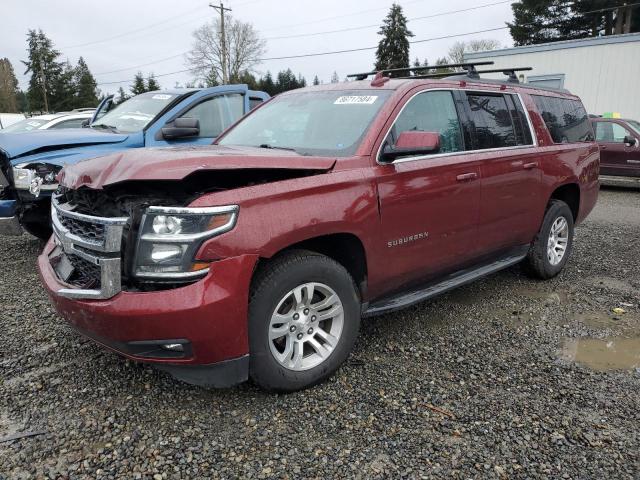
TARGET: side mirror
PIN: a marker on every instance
(85, 123)
(630, 141)
(182, 128)
(412, 143)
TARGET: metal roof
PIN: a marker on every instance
(562, 45)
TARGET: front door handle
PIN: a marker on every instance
(465, 177)
(529, 166)
(603, 147)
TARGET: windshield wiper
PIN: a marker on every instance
(266, 145)
(105, 126)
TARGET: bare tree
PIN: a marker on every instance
(244, 49)
(457, 51)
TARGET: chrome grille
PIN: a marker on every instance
(92, 246)
(91, 231)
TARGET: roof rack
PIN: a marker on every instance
(475, 74)
(469, 67)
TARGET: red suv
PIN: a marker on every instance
(619, 142)
(258, 256)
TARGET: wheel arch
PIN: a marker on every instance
(345, 248)
(569, 193)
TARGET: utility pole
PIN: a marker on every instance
(223, 40)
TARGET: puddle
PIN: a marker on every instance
(611, 283)
(614, 353)
(557, 297)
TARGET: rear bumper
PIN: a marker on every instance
(209, 317)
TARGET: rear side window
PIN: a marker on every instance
(566, 119)
(493, 121)
(520, 122)
(254, 102)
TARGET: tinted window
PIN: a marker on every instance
(519, 118)
(566, 119)
(432, 112)
(75, 123)
(217, 113)
(492, 119)
(254, 102)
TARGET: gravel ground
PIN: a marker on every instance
(481, 382)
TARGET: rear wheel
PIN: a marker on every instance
(552, 246)
(304, 317)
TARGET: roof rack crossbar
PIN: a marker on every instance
(469, 67)
(474, 74)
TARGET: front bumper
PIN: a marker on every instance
(210, 316)
(9, 223)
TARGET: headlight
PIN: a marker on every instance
(170, 237)
(36, 177)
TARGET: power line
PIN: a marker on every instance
(137, 30)
(451, 12)
(334, 52)
(377, 25)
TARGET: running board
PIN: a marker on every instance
(450, 282)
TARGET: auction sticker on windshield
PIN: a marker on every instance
(356, 100)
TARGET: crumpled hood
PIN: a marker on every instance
(21, 144)
(178, 162)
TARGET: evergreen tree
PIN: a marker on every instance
(8, 87)
(122, 96)
(286, 81)
(63, 90)
(152, 83)
(335, 78)
(541, 21)
(211, 80)
(393, 49)
(247, 78)
(138, 84)
(302, 82)
(45, 69)
(267, 84)
(316, 80)
(86, 86)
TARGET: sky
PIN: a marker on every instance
(119, 37)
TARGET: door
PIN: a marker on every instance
(617, 157)
(511, 177)
(428, 204)
(215, 113)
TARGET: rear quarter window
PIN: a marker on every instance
(566, 119)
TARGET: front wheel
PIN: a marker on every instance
(304, 317)
(552, 246)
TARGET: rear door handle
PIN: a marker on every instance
(529, 166)
(603, 147)
(464, 177)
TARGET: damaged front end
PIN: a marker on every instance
(142, 236)
(9, 222)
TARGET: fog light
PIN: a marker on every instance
(162, 252)
(174, 347)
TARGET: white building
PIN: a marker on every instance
(603, 71)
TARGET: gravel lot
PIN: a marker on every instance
(481, 382)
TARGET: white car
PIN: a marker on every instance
(53, 120)
(7, 119)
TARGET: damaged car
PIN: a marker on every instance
(256, 257)
(30, 162)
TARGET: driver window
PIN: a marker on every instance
(432, 112)
(216, 114)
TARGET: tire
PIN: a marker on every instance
(540, 261)
(274, 291)
(39, 230)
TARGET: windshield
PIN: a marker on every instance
(134, 114)
(329, 123)
(23, 126)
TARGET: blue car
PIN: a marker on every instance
(30, 162)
